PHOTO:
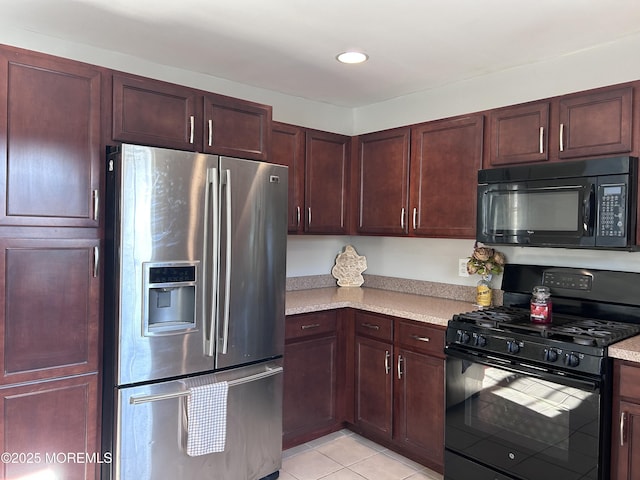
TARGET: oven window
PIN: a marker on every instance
(524, 426)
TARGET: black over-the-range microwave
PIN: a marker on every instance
(574, 204)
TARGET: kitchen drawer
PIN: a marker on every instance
(310, 324)
(421, 337)
(629, 381)
(374, 326)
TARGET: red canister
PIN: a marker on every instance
(541, 305)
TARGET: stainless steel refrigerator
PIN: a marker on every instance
(194, 316)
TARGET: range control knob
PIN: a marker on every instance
(463, 337)
(512, 346)
(550, 354)
(571, 360)
(481, 341)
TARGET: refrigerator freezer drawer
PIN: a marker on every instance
(151, 428)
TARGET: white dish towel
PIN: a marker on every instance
(206, 418)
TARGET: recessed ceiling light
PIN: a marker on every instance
(352, 57)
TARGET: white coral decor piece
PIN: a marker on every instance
(349, 267)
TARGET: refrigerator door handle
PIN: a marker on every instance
(269, 372)
(212, 263)
(226, 180)
(137, 400)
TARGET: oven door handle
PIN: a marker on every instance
(562, 378)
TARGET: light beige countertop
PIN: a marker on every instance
(628, 349)
(422, 308)
(404, 305)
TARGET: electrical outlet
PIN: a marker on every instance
(462, 267)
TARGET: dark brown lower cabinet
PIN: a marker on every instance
(419, 406)
(381, 376)
(49, 429)
(374, 386)
(311, 375)
(373, 392)
(399, 386)
(625, 438)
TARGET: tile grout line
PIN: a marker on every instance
(377, 450)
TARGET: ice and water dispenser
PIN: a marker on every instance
(169, 297)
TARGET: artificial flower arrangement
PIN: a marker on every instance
(485, 261)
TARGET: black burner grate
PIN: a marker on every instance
(576, 330)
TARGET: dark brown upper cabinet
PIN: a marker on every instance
(319, 163)
(236, 128)
(161, 114)
(520, 134)
(50, 141)
(151, 112)
(287, 148)
(383, 182)
(420, 180)
(445, 158)
(586, 124)
(596, 123)
(327, 163)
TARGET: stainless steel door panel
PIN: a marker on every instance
(252, 261)
(163, 196)
(151, 436)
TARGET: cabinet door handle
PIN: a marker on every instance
(309, 211)
(415, 218)
(387, 357)
(402, 218)
(421, 339)
(541, 139)
(191, 127)
(210, 132)
(311, 325)
(562, 137)
(623, 418)
(400, 360)
(371, 326)
(96, 210)
(298, 216)
(96, 261)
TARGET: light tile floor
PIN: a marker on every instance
(345, 455)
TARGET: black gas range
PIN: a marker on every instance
(528, 400)
(569, 343)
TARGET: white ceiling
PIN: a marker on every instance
(289, 46)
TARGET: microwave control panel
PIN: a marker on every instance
(612, 215)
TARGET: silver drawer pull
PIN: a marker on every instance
(387, 357)
(421, 339)
(312, 325)
(371, 326)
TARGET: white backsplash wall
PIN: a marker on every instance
(413, 258)
(435, 260)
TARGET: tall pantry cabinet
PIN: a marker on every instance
(50, 157)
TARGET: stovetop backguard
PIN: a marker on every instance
(581, 292)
